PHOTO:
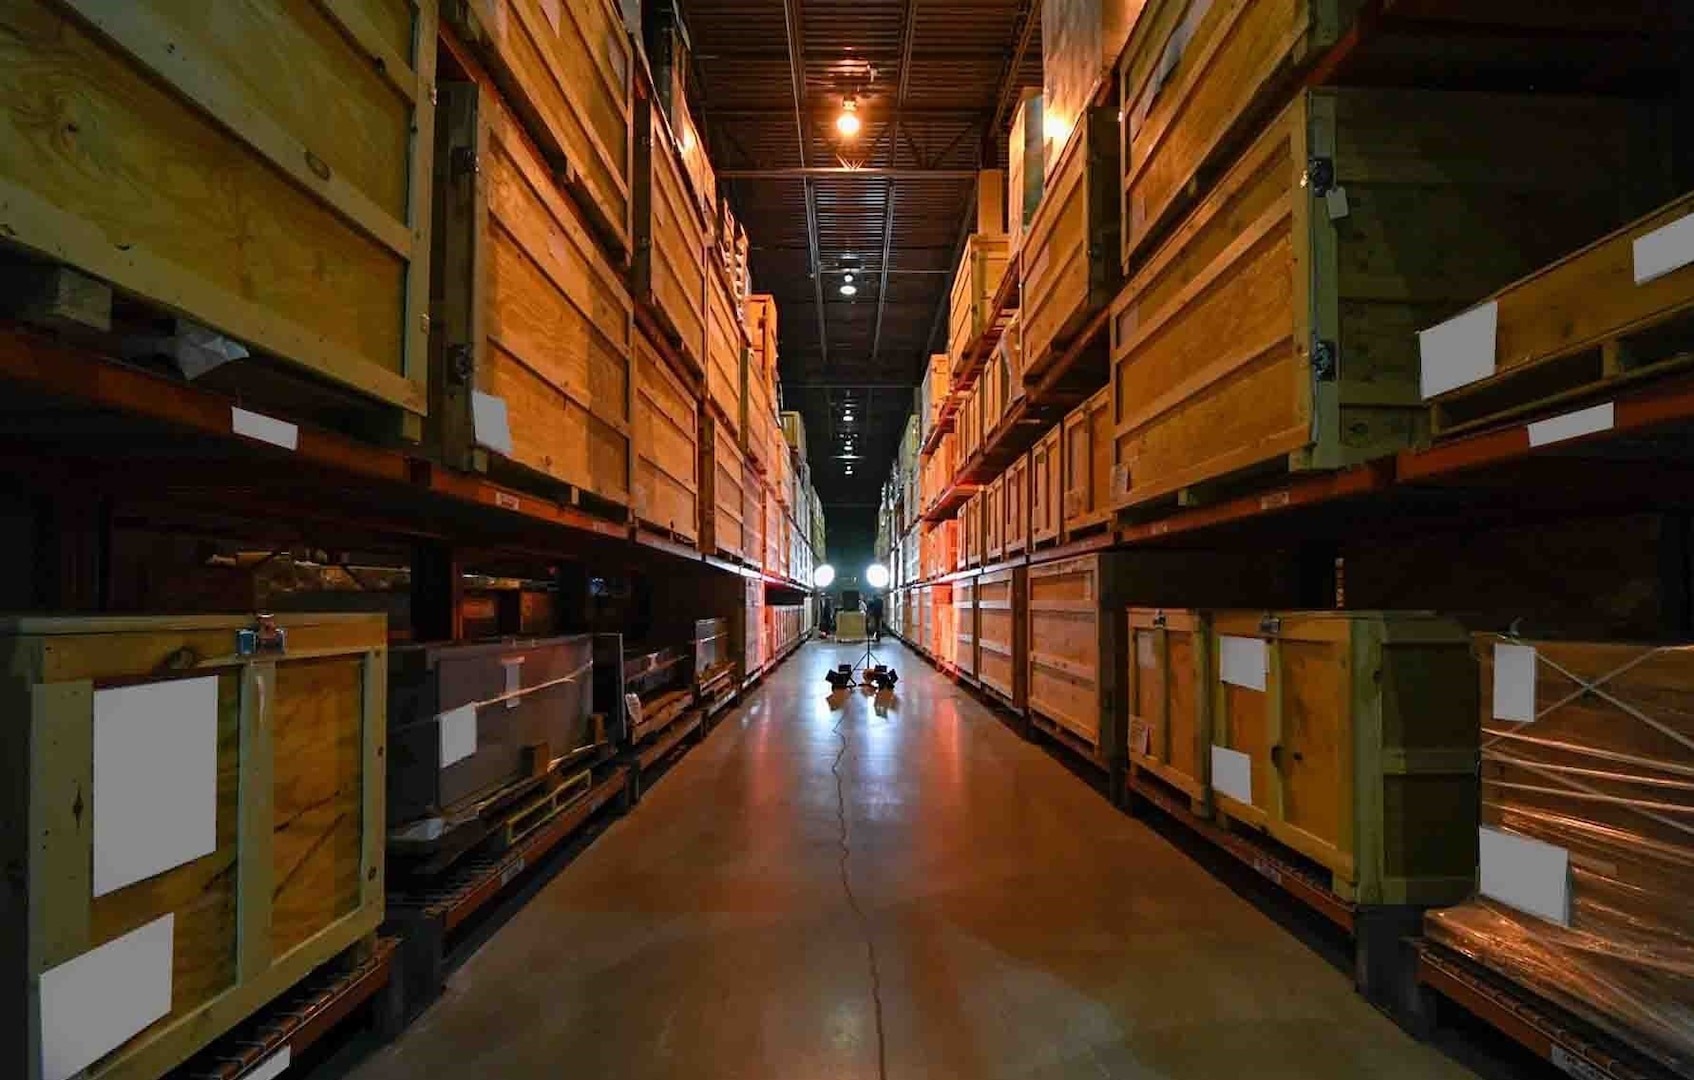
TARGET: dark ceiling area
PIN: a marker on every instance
(935, 84)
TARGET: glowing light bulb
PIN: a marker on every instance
(848, 122)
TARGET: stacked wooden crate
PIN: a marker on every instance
(1026, 166)
(1075, 653)
(932, 391)
(727, 528)
(1002, 632)
(994, 520)
(666, 436)
(1015, 507)
(1085, 470)
(1045, 489)
(965, 626)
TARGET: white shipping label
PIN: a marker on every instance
(1232, 774)
(488, 417)
(96, 1002)
(1514, 682)
(273, 1066)
(155, 779)
(1335, 200)
(513, 666)
(550, 8)
(1140, 737)
(1526, 874)
(1458, 352)
(1146, 652)
(1574, 425)
(1664, 250)
(458, 734)
(267, 429)
(1242, 661)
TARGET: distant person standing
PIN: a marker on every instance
(873, 617)
(827, 620)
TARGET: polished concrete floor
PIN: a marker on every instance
(1002, 921)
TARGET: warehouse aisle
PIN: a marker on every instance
(1021, 926)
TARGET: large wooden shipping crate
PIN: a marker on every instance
(667, 446)
(262, 168)
(944, 639)
(1584, 782)
(1075, 656)
(1170, 729)
(776, 544)
(1351, 738)
(753, 498)
(569, 70)
(994, 519)
(1080, 43)
(974, 284)
(726, 351)
(753, 655)
(965, 625)
(970, 533)
(1625, 317)
(1015, 507)
(1070, 265)
(193, 813)
(1086, 470)
(761, 433)
(531, 700)
(1001, 632)
(762, 329)
(937, 383)
(668, 270)
(536, 328)
(1275, 329)
(724, 525)
(1026, 165)
(967, 424)
(1045, 488)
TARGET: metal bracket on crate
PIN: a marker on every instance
(1270, 624)
(465, 161)
(1320, 175)
(264, 636)
(461, 363)
(1326, 360)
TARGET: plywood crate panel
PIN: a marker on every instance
(753, 498)
(724, 524)
(994, 392)
(569, 69)
(1075, 643)
(528, 300)
(968, 424)
(761, 433)
(667, 446)
(1359, 733)
(1045, 487)
(163, 121)
(1080, 43)
(932, 391)
(1086, 469)
(994, 519)
(975, 282)
(970, 533)
(762, 329)
(965, 625)
(944, 633)
(296, 875)
(1276, 330)
(668, 270)
(1070, 269)
(1015, 506)
(754, 656)
(1002, 629)
(726, 351)
(1170, 731)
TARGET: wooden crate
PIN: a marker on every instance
(753, 655)
(968, 425)
(1170, 728)
(776, 545)
(536, 329)
(1026, 164)
(1071, 268)
(186, 160)
(1001, 634)
(932, 392)
(1356, 737)
(1080, 43)
(296, 874)
(761, 433)
(994, 520)
(1086, 469)
(975, 282)
(753, 498)
(970, 533)
(1611, 330)
(1010, 352)
(1075, 656)
(726, 351)
(568, 69)
(944, 640)
(965, 626)
(668, 271)
(667, 446)
(724, 524)
(1015, 506)
(993, 393)
(1045, 487)
(1274, 330)
(762, 328)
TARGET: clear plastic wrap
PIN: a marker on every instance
(1605, 770)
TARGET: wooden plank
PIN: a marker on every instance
(669, 267)
(667, 446)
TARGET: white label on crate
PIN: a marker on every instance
(1335, 201)
(1140, 737)
(155, 801)
(1526, 874)
(1514, 682)
(550, 8)
(1572, 425)
(266, 429)
(1242, 661)
(513, 667)
(94, 1003)
(458, 734)
(511, 870)
(1571, 1065)
(1664, 250)
(1458, 352)
(488, 417)
(1146, 653)
(1232, 774)
(273, 1066)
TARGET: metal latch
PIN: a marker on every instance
(1270, 624)
(461, 363)
(1159, 620)
(1326, 359)
(1320, 176)
(264, 636)
(464, 161)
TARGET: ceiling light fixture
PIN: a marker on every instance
(848, 122)
(848, 279)
(849, 290)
